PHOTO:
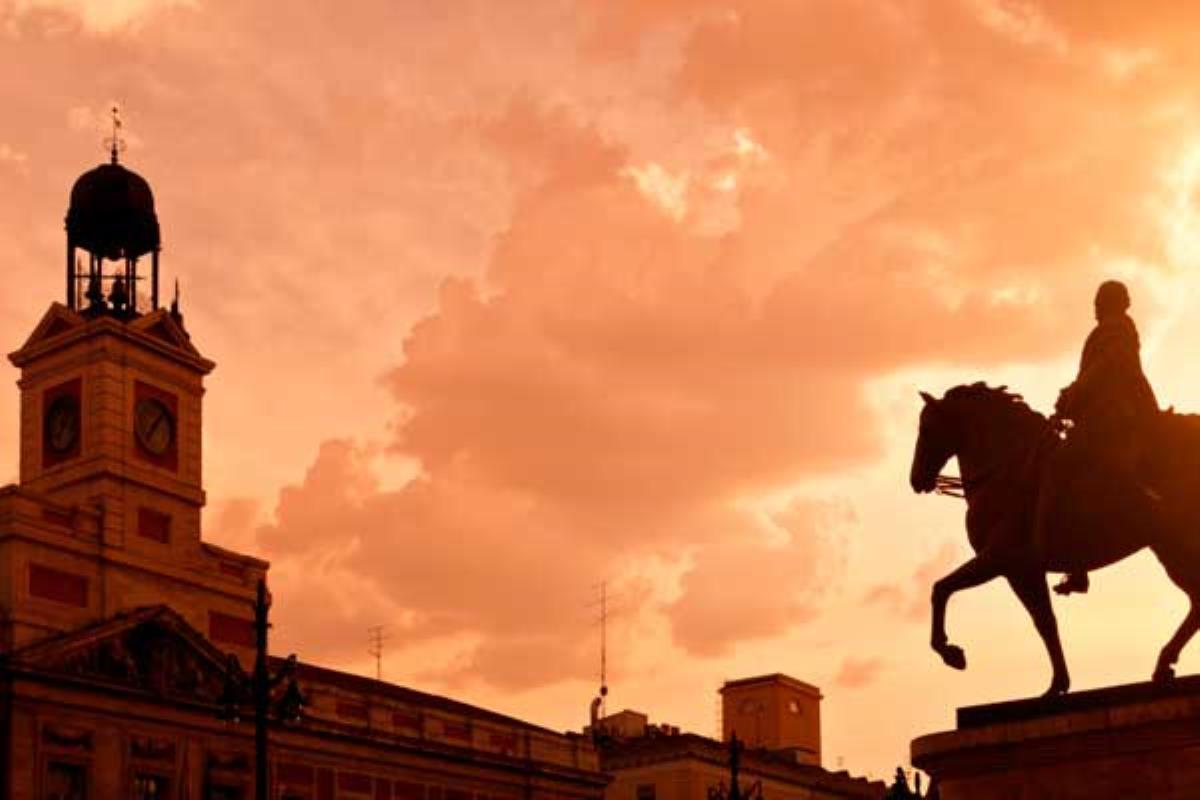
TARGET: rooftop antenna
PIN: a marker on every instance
(375, 648)
(603, 649)
(114, 143)
(599, 708)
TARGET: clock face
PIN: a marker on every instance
(62, 424)
(154, 426)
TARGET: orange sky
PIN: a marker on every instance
(511, 298)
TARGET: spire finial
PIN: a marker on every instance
(116, 145)
(176, 314)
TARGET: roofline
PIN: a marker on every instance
(233, 555)
(767, 763)
(374, 688)
(775, 677)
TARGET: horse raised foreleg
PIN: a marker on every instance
(1030, 588)
(977, 571)
(1164, 669)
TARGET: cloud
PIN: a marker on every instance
(492, 366)
(855, 673)
(910, 599)
(97, 16)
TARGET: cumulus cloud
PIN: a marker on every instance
(621, 383)
(856, 673)
(99, 16)
(625, 269)
(910, 599)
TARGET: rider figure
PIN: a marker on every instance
(1110, 402)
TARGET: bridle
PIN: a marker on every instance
(957, 486)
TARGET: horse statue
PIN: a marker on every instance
(1033, 509)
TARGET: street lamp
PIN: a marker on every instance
(735, 790)
(257, 689)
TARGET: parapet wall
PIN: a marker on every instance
(1135, 741)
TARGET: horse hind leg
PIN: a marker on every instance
(1180, 557)
(1031, 590)
(1164, 670)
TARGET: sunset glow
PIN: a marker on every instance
(510, 299)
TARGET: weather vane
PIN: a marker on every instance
(114, 143)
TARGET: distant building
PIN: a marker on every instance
(778, 719)
(117, 619)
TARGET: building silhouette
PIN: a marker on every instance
(777, 718)
(117, 619)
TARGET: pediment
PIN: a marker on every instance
(160, 325)
(152, 649)
(57, 320)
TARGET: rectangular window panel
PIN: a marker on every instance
(410, 791)
(61, 587)
(456, 730)
(218, 792)
(65, 782)
(150, 787)
(154, 525)
(354, 782)
(230, 630)
(352, 710)
(645, 791)
(324, 784)
(294, 774)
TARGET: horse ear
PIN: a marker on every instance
(928, 398)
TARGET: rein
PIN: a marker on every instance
(950, 486)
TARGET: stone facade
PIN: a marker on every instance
(1136, 741)
(659, 762)
(128, 707)
(117, 620)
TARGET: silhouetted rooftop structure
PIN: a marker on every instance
(111, 217)
(662, 747)
(112, 213)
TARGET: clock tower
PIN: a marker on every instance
(106, 517)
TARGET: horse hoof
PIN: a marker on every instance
(1057, 688)
(953, 656)
(1164, 675)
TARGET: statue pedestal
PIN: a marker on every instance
(1133, 741)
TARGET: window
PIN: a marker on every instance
(154, 525)
(645, 791)
(224, 793)
(58, 586)
(149, 787)
(65, 782)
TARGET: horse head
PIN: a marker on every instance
(937, 443)
(973, 422)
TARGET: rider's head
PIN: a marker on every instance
(1112, 298)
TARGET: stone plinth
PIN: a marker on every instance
(1135, 741)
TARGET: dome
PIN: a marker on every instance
(112, 213)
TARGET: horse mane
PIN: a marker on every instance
(998, 400)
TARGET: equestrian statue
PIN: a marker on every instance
(1106, 476)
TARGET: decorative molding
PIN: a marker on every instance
(228, 762)
(66, 736)
(148, 748)
(149, 656)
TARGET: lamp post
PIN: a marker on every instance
(735, 791)
(257, 689)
